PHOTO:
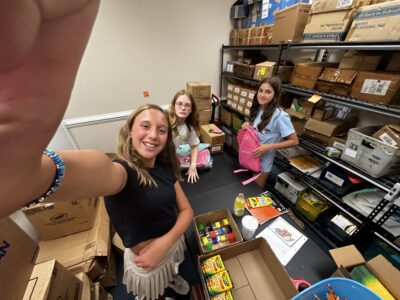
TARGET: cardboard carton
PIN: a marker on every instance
(54, 220)
(212, 217)
(377, 22)
(394, 63)
(298, 120)
(348, 257)
(255, 271)
(226, 117)
(330, 128)
(199, 89)
(306, 74)
(320, 6)
(87, 251)
(17, 258)
(118, 245)
(377, 87)
(50, 280)
(202, 104)
(290, 22)
(390, 134)
(100, 293)
(327, 27)
(216, 140)
(338, 142)
(205, 115)
(360, 61)
(87, 286)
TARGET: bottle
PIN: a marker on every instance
(238, 205)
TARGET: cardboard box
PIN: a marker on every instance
(87, 286)
(100, 293)
(298, 120)
(216, 216)
(394, 63)
(202, 104)
(87, 251)
(390, 134)
(226, 117)
(214, 139)
(289, 186)
(330, 128)
(377, 87)
(361, 61)
(290, 22)
(320, 6)
(54, 220)
(50, 280)
(306, 74)
(311, 103)
(266, 70)
(348, 257)
(327, 27)
(17, 258)
(199, 89)
(336, 81)
(338, 142)
(255, 271)
(205, 115)
(323, 113)
(333, 88)
(377, 22)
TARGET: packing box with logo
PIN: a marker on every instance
(199, 89)
(373, 156)
(266, 70)
(17, 258)
(306, 74)
(87, 251)
(207, 223)
(327, 27)
(54, 220)
(209, 135)
(348, 257)
(377, 22)
(289, 23)
(289, 186)
(50, 280)
(378, 87)
(390, 134)
(255, 271)
(320, 6)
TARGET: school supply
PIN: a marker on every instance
(265, 213)
(259, 201)
(248, 141)
(238, 205)
(204, 160)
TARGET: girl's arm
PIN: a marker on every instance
(192, 171)
(289, 141)
(153, 253)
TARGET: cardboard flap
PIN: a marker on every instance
(338, 76)
(395, 129)
(330, 127)
(296, 114)
(386, 273)
(347, 256)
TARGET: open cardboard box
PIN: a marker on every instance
(255, 271)
(348, 257)
(212, 217)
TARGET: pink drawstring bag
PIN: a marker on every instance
(248, 141)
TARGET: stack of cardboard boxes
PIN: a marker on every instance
(75, 239)
(201, 93)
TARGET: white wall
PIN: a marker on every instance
(156, 46)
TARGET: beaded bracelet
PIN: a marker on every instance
(58, 178)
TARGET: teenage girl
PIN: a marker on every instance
(184, 120)
(272, 123)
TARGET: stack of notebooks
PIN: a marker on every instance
(263, 208)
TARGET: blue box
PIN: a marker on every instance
(267, 11)
(287, 3)
(342, 287)
(238, 11)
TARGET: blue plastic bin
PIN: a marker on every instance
(341, 286)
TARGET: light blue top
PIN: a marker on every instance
(276, 130)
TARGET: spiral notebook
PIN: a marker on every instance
(265, 213)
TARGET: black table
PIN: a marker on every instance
(217, 189)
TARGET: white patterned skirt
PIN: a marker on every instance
(150, 285)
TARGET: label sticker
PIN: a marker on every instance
(335, 179)
(350, 152)
(343, 3)
(375, 87)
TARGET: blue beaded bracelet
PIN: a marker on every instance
(58, 178)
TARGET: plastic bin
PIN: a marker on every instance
(341, 286)
(310, 205)
(369, 154)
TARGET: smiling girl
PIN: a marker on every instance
(272, 123)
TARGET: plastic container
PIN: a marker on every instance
(310, 205)
(238, 205)
(341, 286)
(369, 154)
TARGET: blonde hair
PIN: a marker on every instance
(128, 153)
(191, 120)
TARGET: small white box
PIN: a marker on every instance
(289, 186)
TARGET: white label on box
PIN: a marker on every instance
(229, 96)
(375, 87)
(251, 96)
(247, 112)
(242, 100)
(350, 152)
(388, 139)
(243, 93)
(216, 148)
(235, 98)
(234, 105)
(229, 102)
(338, 145)
(249, 103)
(335, 179)
(342, 3)
(265, 9)
(230, 87)
(237, 90)
(240, 108)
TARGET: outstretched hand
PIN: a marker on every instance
(192, 174)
